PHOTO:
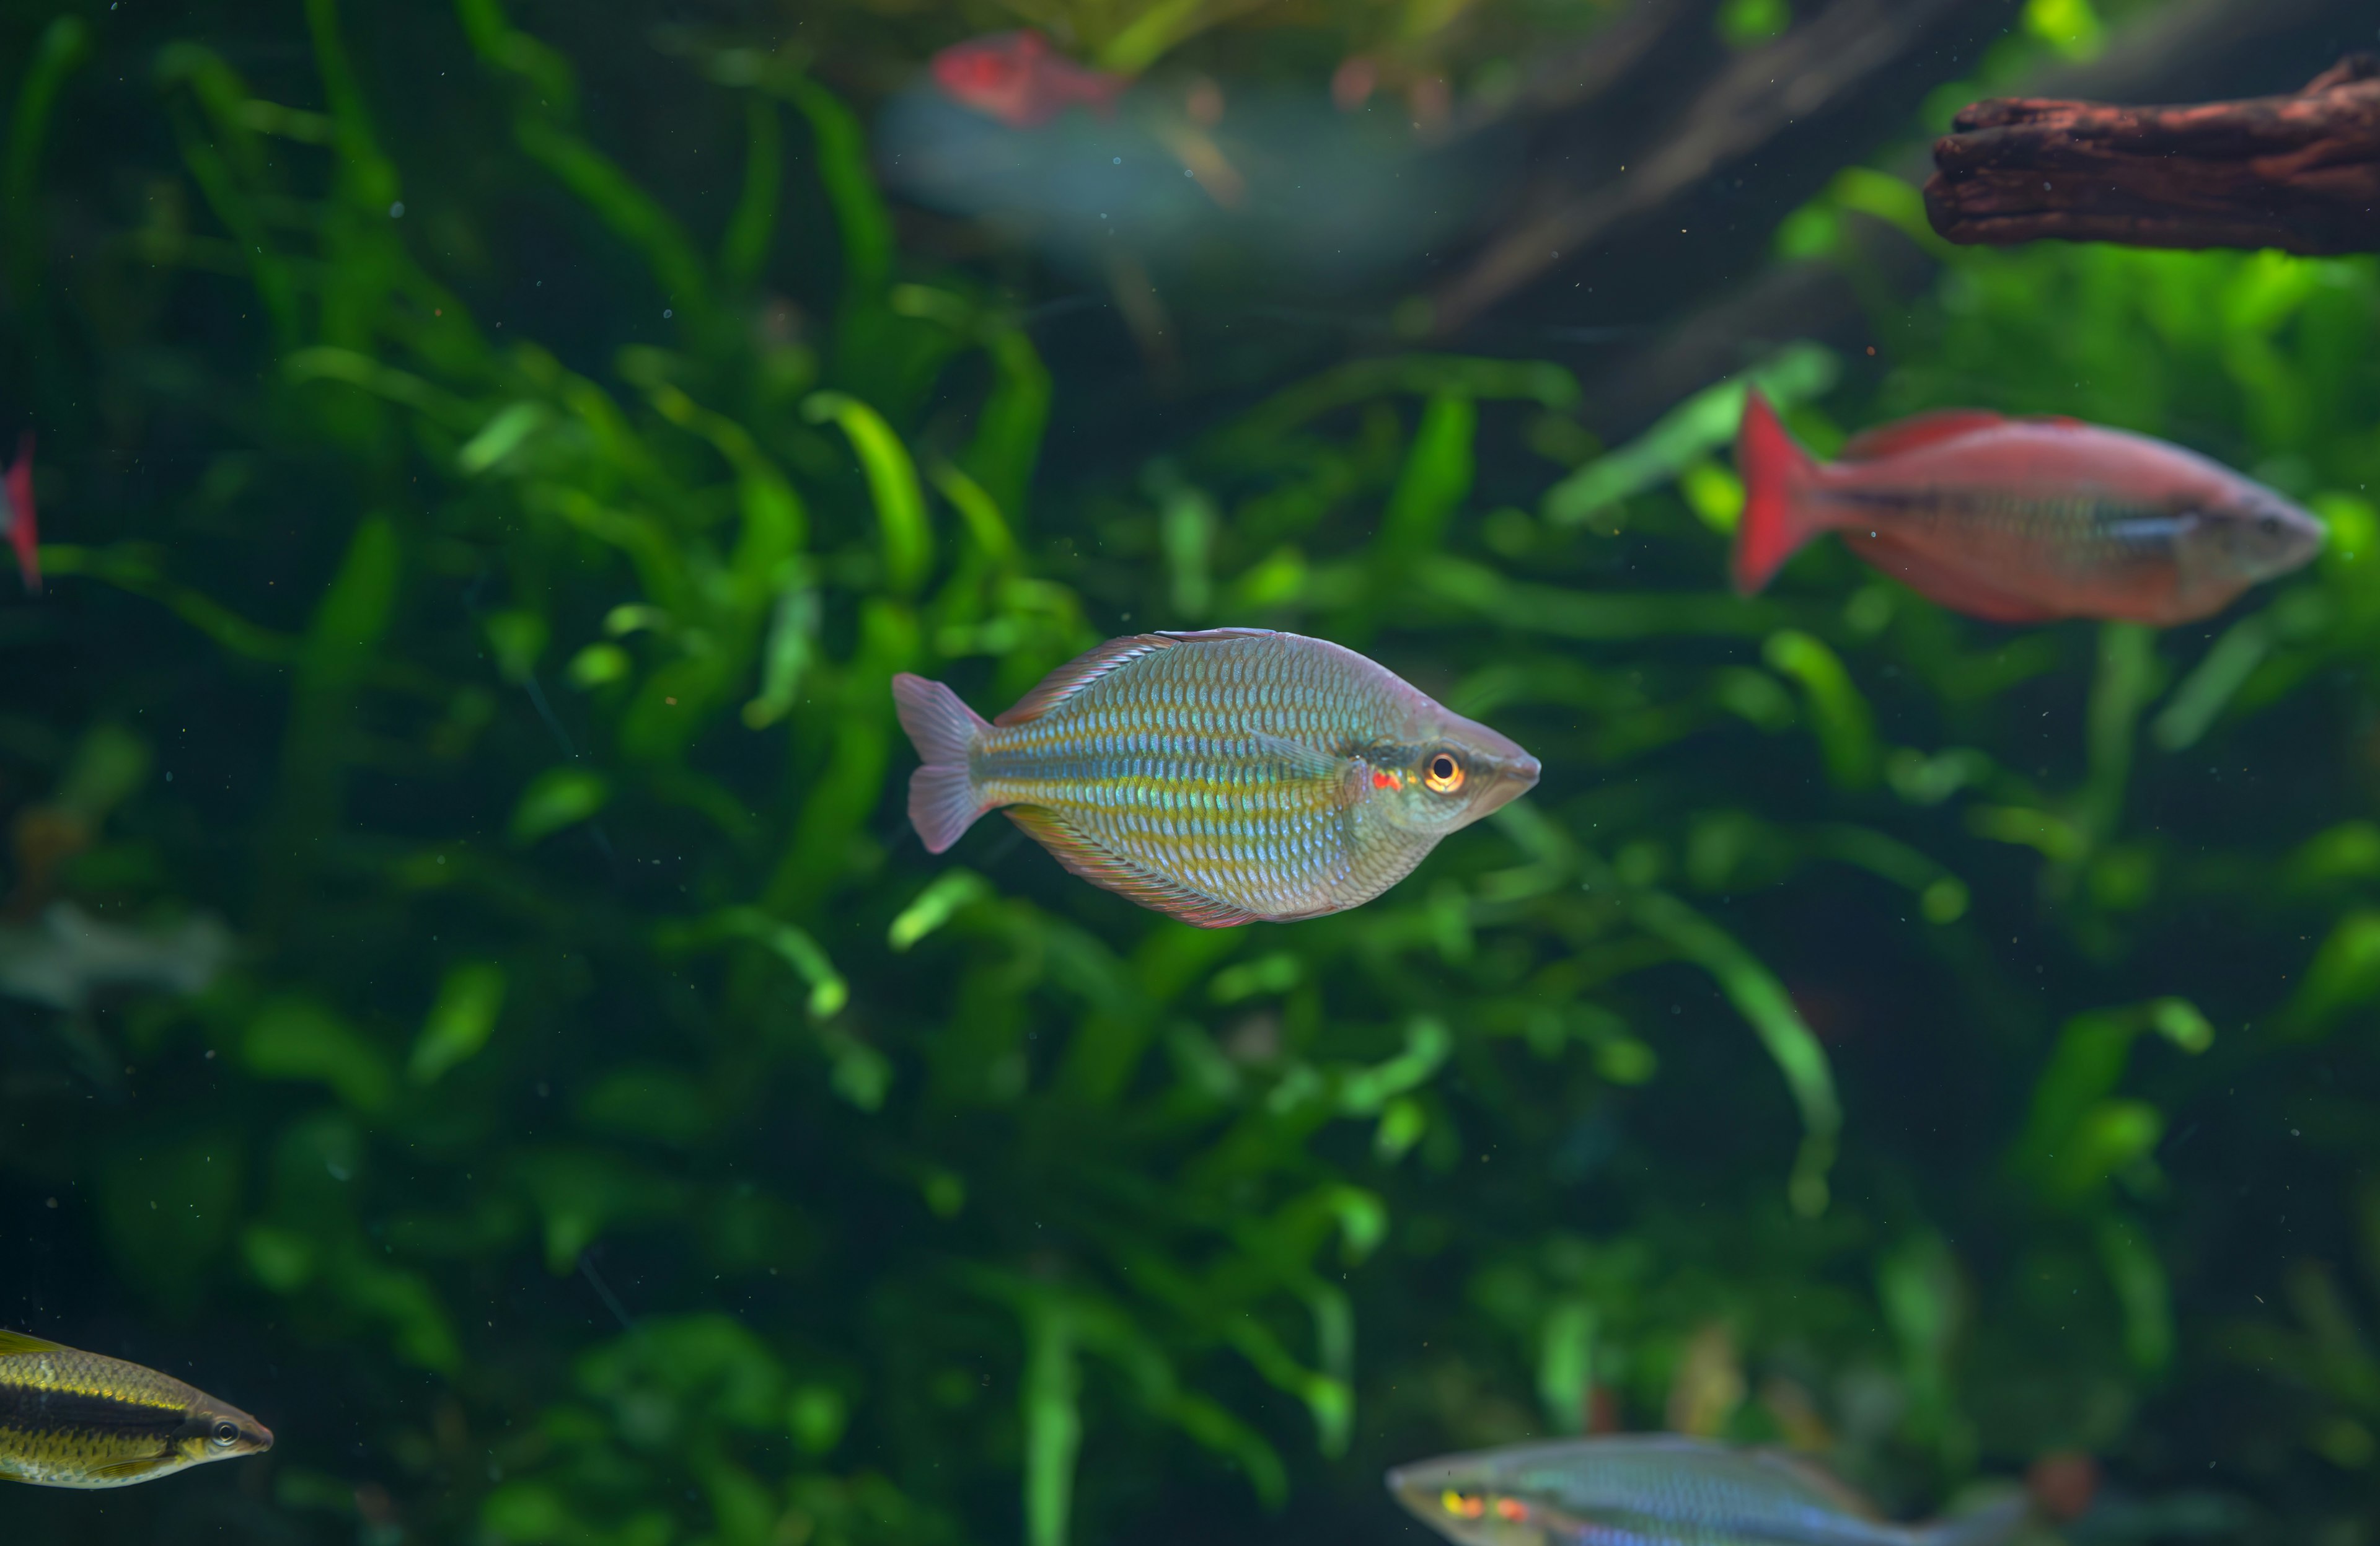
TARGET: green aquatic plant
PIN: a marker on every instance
(612, 1129)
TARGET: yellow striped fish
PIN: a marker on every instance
(1222, 778)
(78, 1419)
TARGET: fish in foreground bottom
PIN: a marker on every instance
(79, 1419)
(1222, 778)
(2021, 520)
(1661, 1490)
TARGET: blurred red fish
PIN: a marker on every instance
(17, 516)
(1018, 78)
(2021, 520)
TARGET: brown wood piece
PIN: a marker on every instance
(2298, 173)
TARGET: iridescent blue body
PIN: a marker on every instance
(1222, 777)
(1661, 1490)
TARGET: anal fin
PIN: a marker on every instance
(1122, 875)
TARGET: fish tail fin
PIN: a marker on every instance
(22, 534)
(1990, 1526)
(1775, 472)
(942, 799)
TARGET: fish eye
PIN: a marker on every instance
(2269, 525)
(225, 1433)
(1443, 774)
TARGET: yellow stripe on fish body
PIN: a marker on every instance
(71, 1419)
(1221, 777)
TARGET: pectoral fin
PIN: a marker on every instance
(119, 1471)
(1298, 761)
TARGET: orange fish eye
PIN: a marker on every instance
(1442, 774)
(1463, 1505)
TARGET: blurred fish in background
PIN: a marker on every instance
(1664, 1489)
(1019, 79)
(17, 516)
(1181, 182)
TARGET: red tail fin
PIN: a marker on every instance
(1775, 472)
(22, 534)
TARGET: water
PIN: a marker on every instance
(538, 1073)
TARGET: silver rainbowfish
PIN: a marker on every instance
(1222, 778)
(1662, 1489)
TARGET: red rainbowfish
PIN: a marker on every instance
(1018, 78)
(2021, 520)
(17, 516)
(1222, 777)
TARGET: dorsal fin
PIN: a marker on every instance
(1079, 674)
(12, 1343)
(1216, 635)
(1908, 434)
(1096, 662)
(1818, 1479)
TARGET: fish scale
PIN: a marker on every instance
(1221, 777)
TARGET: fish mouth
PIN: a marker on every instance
(263, 1437)
(1515, 776)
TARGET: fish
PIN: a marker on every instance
(66, 956)
(1662, 1489)
(80, 1419)
(17, 516)
(1018, 78)
(1223, 777)
(2021, 520)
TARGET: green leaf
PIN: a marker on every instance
(908, 543)
(941, 899)
(298, 1038)
(1839, 714)
(2142, 1289)
(744, 248)
(1053, 1422)
(1435, 480)
(1688, 432)
(557, 798)
(461, 1021)
(2344, 974)
(1762, 999)
(64, 47)
(1566, 1364)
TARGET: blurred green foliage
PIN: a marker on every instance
(1930, 1043)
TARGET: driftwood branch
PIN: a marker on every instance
(2298, 173)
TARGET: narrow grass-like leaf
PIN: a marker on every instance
(1761, 999)
(908, 543)
(1688, 432)
(744, 248)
